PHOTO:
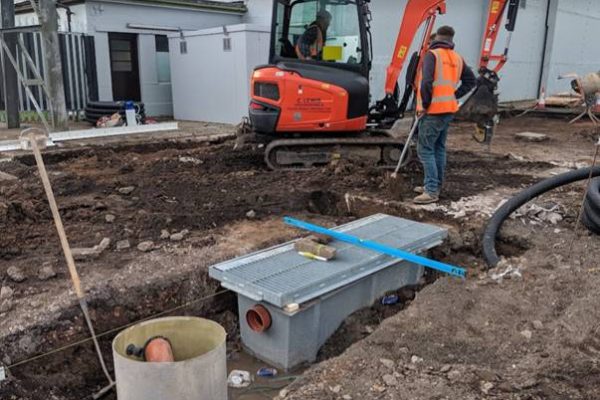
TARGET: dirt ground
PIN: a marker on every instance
(530, 334)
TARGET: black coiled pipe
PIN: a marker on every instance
(590, 220)
(591, 208)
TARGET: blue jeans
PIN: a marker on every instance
(431, 148)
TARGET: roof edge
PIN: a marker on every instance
(239, 8)
(25, 7)
(234, 8)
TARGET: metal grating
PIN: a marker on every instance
(281, 276)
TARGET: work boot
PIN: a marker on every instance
(421, 190)
(426, 198)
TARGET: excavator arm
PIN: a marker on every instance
(495, 16)
(417, 12)
(482, 106)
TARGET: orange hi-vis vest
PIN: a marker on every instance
(448, 69)
(315, 49)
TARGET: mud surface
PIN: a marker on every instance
(228, 203)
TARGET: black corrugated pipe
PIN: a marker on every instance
(591, 207)
(496, 221)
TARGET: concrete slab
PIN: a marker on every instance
(531, 136)
(7, 177)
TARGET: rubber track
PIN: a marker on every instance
(358, 142)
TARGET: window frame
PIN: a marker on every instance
(160, 49)
(362, 67)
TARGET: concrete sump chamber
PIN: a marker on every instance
(290, 305)
(198, 373)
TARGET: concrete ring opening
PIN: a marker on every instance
(198, 347)
(258, 318)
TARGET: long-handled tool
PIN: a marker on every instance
(34, 139)
(412, 132)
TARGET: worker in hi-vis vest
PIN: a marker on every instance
(443, 78)
(311, 42)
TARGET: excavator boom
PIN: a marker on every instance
(482, 106)
(495, 16)
(415, 14)
(391, 108)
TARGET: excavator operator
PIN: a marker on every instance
(311, 42)
(443, 78)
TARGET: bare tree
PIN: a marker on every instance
(49, 29)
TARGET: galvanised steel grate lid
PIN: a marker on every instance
(281, 276)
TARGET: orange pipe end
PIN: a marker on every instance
(258, 319)
(158, 350)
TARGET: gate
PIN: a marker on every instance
(78, 69)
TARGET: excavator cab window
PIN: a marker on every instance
(320, 31)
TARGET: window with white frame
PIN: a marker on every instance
(163, 67)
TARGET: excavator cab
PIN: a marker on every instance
(317, 80)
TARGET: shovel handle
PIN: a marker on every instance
(406, 145)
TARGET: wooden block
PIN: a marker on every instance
(309, 246)
(320, 238)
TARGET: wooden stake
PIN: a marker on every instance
(35, 137)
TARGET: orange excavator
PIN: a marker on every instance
(315, 107)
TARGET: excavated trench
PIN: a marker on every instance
(75, 373)
(212, 186)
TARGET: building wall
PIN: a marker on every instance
(216, 90)
(574, 44)
(520, 76)
(259, 12)
(105, 17)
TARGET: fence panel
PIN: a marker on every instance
(78, 70)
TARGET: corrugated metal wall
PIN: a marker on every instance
(520, 77)
(573, 32)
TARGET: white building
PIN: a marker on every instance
(131, 47)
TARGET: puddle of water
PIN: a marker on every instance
(261, 388)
